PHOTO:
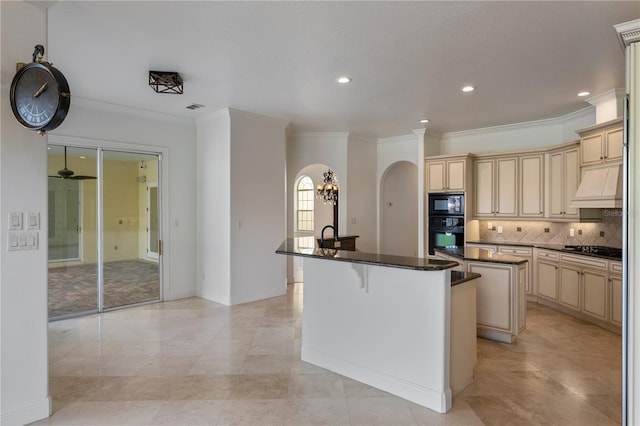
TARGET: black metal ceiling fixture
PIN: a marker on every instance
(166, 82)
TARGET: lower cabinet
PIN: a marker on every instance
(501, 308)
(547, 280)
(594, 297)
(615, 293)
(524, 253)
(585, 286)
(569, 286)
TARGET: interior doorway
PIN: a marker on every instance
(105, 248)
(399, 209)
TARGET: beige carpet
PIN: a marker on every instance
(74, 289)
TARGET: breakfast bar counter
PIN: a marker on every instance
(395, 323)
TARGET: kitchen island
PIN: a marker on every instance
(401, 324)
(501, 290)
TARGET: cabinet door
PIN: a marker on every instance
(531, 186)
(493, 295)
(547, 280)
(570, 286)
(571, 179)
(556, 169)
(616, 300)
(613, 145)
(595, 294)
(591, 147)
(483, 176)
(507, 184)
(435, 176)
(455, 175)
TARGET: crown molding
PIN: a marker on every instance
(121, 109)
(628, 32)
(524, 125)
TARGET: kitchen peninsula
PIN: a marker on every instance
(401, 324)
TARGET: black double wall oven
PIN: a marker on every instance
(446, 221)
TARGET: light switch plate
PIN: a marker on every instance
(15, 221)
(33, 221)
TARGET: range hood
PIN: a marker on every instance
(600, 188)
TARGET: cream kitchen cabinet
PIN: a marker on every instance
(501, 309)
(585, 286)
(615, 292)
(569, 280)
(601, 143)
(495, 187)
(564, 177)
(446, 174)
(524, 253)
(531, 189)
(546, 273)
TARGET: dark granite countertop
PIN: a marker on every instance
(547, 246)
(481, 255)
(291, 247)
(458, 277)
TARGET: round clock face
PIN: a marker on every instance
(39, 96)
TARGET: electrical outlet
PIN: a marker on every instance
(602, 233)
(571, 232)
(490, 226)
(499, 229)
(579, 231)
(546, 230)
(519, 229)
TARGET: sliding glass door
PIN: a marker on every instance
(131, 271)
(104, 230)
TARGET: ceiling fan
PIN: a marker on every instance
(69, 174)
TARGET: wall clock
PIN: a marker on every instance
(39, 94)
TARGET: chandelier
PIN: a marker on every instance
(327, 191)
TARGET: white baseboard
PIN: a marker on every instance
(26, 415)
(429, 398)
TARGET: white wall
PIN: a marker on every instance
(213, 164)
(96, 124)
(258, 215)
(241, 207)
(23, 274)
(361, 202)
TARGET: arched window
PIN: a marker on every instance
(304, 214)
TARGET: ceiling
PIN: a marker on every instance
(408, 60)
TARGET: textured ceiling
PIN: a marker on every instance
(408, 60)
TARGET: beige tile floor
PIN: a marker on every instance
(191, 362)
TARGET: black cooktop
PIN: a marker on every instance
(601, 250)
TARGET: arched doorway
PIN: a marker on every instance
(399, 209)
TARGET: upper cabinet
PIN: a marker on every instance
(531, 197)
(495, 187)
(564, 177)
(601, 143)
(446, 174)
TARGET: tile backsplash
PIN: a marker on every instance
(605, 233)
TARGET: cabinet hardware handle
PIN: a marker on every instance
(601, 158)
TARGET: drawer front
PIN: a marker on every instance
(615, 267)
(516, 251)
(591, 262)
(550, 255)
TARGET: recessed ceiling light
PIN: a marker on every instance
(82, 157)
(468, 89)
(585, 93)
(424, 120)
(344, 80)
